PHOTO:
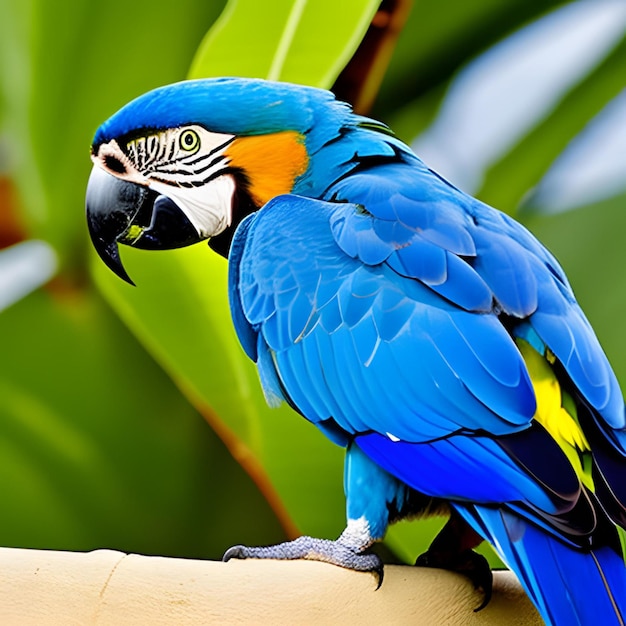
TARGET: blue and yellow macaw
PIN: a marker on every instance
(430, 335)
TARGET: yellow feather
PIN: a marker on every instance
(556, 411)
(271, 162)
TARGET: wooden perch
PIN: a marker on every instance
(107, 587)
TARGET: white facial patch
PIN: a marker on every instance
(208, 208)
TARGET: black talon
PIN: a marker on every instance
(477, 569)
(452, 550)
(469, 563)
(379, 572)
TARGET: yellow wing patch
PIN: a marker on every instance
(556, 412)
(271, 162)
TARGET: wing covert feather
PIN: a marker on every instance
(426, 358)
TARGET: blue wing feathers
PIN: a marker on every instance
(392, 313)
(322, 406)
(465, 287)
(504, 266)
(422, 260)
(492, 371)
(488, 375)
(337, 293)
(379, 323)
(273, 390)
(246, 334)
(460, 468)
(576, 347)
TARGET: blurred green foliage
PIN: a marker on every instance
(108, 429)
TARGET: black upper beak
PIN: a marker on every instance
(119, 211)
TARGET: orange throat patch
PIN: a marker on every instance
(270, 162)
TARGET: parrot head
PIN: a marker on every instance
(186, 162)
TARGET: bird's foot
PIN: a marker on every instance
(469, 563)
(312, 549)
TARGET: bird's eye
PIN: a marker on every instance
(189, 141)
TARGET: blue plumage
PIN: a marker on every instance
(389, 309)
(407, 347)
(443, 341)
(189, 105)
(568, 586)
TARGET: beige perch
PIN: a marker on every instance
(107, 587)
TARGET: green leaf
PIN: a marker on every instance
(294, 41)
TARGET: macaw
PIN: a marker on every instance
(429, 334)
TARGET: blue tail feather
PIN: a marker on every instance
(568, 585)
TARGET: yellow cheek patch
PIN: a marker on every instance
(271, 162)
(556, 412)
